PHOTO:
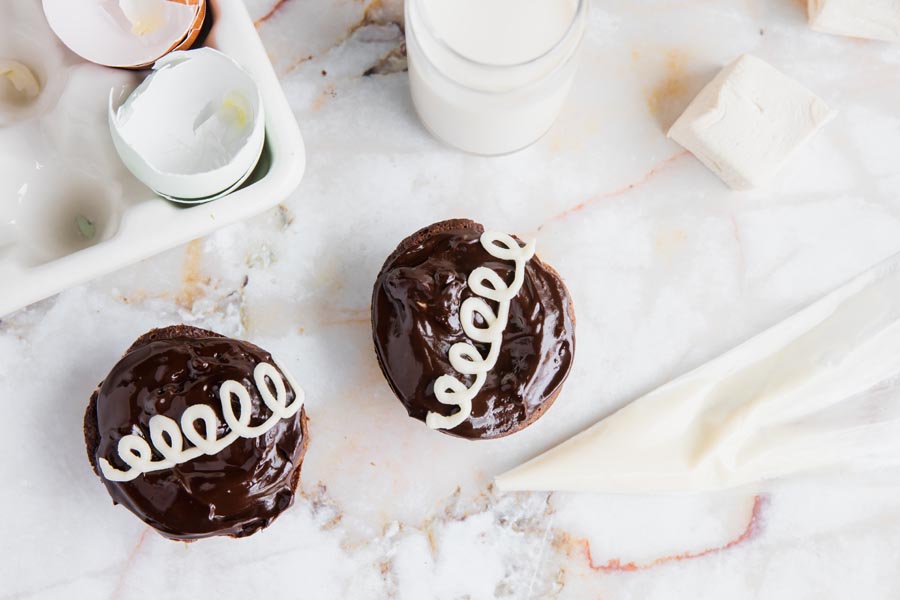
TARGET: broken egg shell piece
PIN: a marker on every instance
(193, 128)
(129, 34)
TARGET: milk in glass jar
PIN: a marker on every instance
(490, 76)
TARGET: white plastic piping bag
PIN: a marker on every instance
(819, 391)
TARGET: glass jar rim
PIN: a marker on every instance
(580, 9)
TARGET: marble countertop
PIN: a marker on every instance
(667, 268)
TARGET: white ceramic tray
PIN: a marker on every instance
(129, 222)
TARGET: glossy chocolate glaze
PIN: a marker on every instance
(415, 320)
(235, 492)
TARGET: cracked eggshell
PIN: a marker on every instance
(125, 33)
(194, 129)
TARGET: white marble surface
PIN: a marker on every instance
(667, 268)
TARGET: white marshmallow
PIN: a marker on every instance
(747, 122)
(873, 19)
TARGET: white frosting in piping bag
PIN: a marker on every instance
(167, 436)
(464, 357)
(819, 391)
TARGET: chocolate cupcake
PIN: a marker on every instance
(198, 434)
(473, 332)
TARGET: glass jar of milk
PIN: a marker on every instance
(490, 76)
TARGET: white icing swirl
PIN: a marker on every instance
(167, 436)
(464, 357)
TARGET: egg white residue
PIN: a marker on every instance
(32, 63)
(194, 128)
(145, 16)
(124, 33)
(24, 85)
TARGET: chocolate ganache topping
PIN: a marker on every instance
(236, 491)
(416, 319)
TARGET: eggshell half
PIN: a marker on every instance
(221, 194)
(194, 128)
(125, 33)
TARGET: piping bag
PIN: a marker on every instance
(818, 392)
